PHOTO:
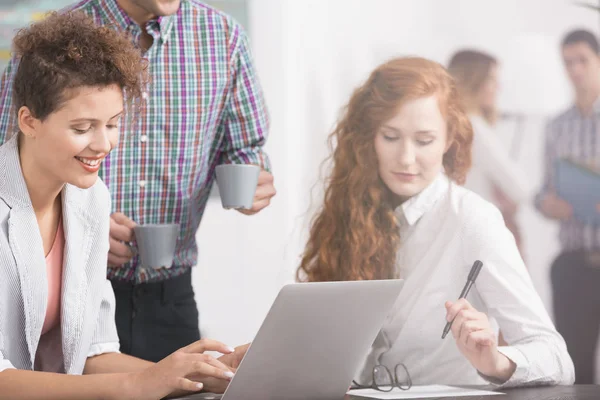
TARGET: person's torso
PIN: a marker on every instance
(24, 283)
(577, 137)
(434, 261)
(162, 171)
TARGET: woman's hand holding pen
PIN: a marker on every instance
(477, 341)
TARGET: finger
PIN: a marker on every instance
(233, 360)
(203, 345)
(259, 205)
(188, 385)
(264, 192)
(468, 327)
(120, 232)
(205, 369)
(240, 351)
(243, 348)
(211, 361)
(219, 365)
(461, 316)
(214, 385)
(116, 261)
(256, 207)
(478, 321)
(455, 328)
(123, 219)
(120, 249)
(482, 338)
(265, 177)
(459, 320)
(245, 211)
(452, 309)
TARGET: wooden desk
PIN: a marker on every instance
(576, 392)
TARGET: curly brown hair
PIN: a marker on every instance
(355, 235)
(67, 51)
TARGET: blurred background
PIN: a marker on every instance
(310, 55)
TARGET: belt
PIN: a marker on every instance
(166, 289)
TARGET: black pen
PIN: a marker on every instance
(470, 281)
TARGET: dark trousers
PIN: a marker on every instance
(156, 319)
(576, 300)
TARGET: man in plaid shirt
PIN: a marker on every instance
(575, 273)
(204, 107)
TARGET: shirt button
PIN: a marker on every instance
(142, 183)
(144, 138)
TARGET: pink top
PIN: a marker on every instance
(54, 267)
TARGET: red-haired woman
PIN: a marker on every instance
(394, 208)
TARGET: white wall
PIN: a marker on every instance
(310, 54)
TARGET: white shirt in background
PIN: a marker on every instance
(492, 165)
(443, 231)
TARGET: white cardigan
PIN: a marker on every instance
(87, 304)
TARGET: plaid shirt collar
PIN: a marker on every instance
(111, 11)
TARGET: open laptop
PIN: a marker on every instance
(312, 342)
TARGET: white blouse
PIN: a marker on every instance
(443, 230)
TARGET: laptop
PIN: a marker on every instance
(312, 342)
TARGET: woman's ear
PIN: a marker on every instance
(28, 124)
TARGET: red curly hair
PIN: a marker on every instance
(355, 235)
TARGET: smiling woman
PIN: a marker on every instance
(69, 144)
(68, 95)
(73, 81)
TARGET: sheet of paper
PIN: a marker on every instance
(417, 392)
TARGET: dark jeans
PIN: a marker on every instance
(576, 300)
(156, 319)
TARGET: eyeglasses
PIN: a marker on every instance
(384, 381)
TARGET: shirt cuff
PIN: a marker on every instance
(253, 156)
(521, 372)
(102, 348)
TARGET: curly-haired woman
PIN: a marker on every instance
(394, 208)
(56, 306)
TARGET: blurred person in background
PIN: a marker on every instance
(494, 175)
(575, 274)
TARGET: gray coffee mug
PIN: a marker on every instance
(156, 244)
(237, 184)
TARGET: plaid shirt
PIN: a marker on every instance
(204, 107)
(577, 137)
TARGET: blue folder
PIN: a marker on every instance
(580, 187)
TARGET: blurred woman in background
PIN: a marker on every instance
(494, 175)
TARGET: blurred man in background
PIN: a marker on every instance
(575, 135)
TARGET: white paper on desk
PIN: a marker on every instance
(419, 392)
